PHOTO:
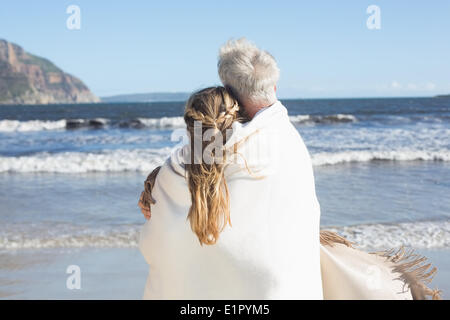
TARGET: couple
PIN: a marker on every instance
(234, 213)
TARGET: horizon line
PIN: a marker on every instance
(285, 97)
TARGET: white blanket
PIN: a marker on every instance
(272, 249)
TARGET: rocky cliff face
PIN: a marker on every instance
(28, 79)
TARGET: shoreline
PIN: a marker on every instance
(113, 273)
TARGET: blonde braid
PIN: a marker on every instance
(222, 121)
(209, 212)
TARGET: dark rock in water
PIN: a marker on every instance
(96, 124)
(79, 123)
(135, 123)
(75, 124)
(29, 79)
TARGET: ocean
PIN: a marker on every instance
(70, 177)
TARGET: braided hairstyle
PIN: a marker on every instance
(216, 110)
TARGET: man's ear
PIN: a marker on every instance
(275, 88)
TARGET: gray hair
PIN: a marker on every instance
(249, 72)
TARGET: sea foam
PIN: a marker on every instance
(142, 123)
(80, 162)
(144, 160)
(323, 119)
(31, 125)
(424, 234)
(332, 158)
(421, 234)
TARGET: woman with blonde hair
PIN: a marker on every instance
(224, 225)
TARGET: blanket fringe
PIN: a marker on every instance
(413, 269)
(414, 272)
(328, 238)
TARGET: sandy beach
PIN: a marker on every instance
(105, 274)
(110, 273)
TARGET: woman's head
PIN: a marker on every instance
(209, 114)
(214, 107)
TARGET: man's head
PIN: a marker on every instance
(250, 73)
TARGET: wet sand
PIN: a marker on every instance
(110, 273)
(41, 274)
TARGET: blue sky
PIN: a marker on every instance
(323, 48)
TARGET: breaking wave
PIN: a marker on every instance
(31, 125)
(98, 123)
(425, 234)
(141, 123)
(332, 158)
(422, 234)
(323, 119)
(146, 159)
(80, 162)
(64, 235)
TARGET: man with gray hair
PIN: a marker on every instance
(250, 73)
(272, 250)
